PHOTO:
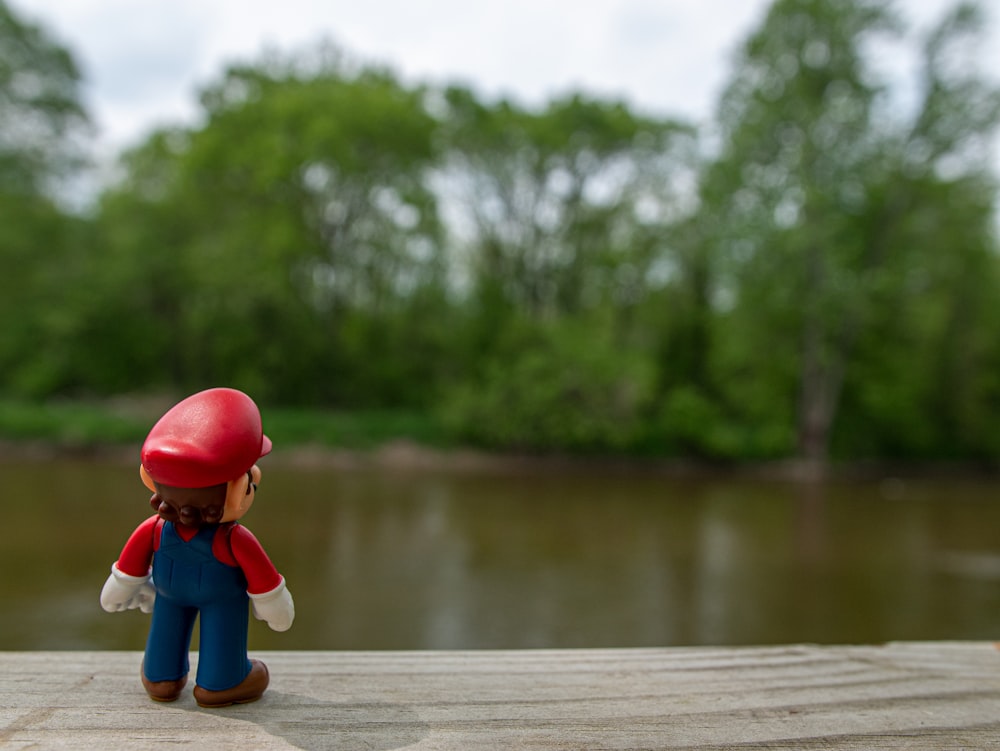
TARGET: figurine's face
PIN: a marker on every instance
(191, 507)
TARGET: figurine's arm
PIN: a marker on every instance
(271, 600)
(138, 551)
(129, 585)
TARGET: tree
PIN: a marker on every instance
(41, 124)
(561, 209)
(135, 327)
(816, 195)
(562, 214)
(41, 115)
(927, 377)
(304, 242)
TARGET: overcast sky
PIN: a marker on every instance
(143, 60)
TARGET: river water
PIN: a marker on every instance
(380, 559)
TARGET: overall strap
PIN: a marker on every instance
(222, 548)
(157, 533)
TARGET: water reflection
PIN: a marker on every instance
(384, 560)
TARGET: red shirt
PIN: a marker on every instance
(234, 545)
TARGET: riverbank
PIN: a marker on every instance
(96, 425)
(404, 455)
(113, 430)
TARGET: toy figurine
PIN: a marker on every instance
(200, 461)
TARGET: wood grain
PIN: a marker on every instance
(936, 696)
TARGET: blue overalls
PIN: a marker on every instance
(189, 579)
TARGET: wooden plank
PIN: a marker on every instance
(899, 696)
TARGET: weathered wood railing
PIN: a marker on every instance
(900, 696)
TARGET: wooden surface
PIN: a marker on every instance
(902, 696)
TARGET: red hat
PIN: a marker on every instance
(209, 438)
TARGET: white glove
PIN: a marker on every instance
(124, 592)
(275, 607)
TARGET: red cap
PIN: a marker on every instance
(209, 438)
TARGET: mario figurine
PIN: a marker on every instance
(200, 461)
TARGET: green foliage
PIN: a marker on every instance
(690, 422)
(561, 387)
(566, 204)
(41, 122)
(572, 277)
(355, 429)
(831, 212)
(93, 424)
(69, 424)
(293, 255)
(40, 110)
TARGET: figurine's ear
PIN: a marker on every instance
(240, 494)
(146, 479)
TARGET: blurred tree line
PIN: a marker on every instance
(813, 275)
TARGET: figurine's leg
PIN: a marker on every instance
(222, 639)
(225, 674)
(166, 658)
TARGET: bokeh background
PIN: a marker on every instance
(795, 277)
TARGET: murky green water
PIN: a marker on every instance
(382, 560)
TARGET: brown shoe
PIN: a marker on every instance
(162, 690)
(251, 689)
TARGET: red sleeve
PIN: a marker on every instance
(261, 574)
(138, 551)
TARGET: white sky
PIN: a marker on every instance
(144, 60)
